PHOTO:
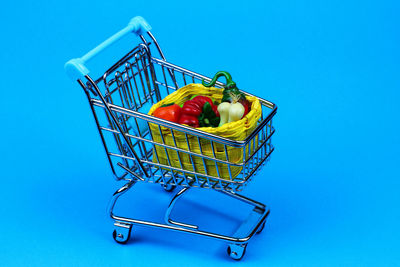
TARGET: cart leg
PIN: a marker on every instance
(261, 228)
(236, 251)
(122, 232)
(255, 223)
(117, 194)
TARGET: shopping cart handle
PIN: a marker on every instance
(76, 67)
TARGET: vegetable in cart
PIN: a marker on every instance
(231, 111)
(189, 120)
(208, 118)
(200, 111)
(169, 112)
(237, 105)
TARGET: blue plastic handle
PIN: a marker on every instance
(76, 68)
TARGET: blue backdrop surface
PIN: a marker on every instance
(332, 67)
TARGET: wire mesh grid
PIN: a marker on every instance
(130, 87)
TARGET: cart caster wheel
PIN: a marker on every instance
(121, 235)
(261, 228)
(236, 252)
(168, 187)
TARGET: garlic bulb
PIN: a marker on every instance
(236, 111)
(223, 110)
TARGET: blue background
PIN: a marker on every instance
(332, 67)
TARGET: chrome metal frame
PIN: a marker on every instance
(120, 100)
(241, 236)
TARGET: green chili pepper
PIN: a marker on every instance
(229, 89)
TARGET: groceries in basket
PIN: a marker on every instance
(223, 112)
(201, 111)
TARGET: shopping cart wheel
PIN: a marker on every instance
(121, 234)
(168, 187)
(236, 251)
(261, 228)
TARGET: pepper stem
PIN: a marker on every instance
(229, 83)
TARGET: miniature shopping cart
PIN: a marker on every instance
(120, 100)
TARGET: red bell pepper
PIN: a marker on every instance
(201, 100)
(193, 114)
(189, 120)
(246, 105)
(192, 108)
(215, 109)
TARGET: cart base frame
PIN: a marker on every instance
(254, 223)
